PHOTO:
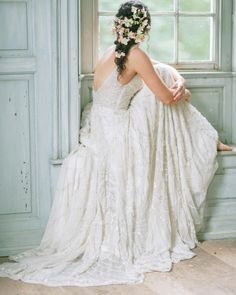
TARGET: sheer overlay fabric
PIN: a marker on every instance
(130, 196)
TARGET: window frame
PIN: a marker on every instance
(222, 33)
(176, 14)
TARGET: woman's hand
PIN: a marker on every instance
(185, 96)
(179, 87)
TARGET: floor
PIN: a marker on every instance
(212, 271)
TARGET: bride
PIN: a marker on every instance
(130, 196)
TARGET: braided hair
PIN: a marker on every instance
(131, 24)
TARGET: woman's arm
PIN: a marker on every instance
(142, 65)
(186, 96)
(179, 85)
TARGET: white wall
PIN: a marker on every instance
(234, 38)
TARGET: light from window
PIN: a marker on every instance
(183, 32)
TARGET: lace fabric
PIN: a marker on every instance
(130, 196)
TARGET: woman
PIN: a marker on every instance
(130, 196)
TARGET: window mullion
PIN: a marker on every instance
(176, 32)
(211, 15)
(216, 33)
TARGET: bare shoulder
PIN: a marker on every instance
(138, 53)
(138, 59)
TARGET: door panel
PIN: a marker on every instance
(25, 123)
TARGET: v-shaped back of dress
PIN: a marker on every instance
(115, 95)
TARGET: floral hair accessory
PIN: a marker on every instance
(118, 55)
(123, 27)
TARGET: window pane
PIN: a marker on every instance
(194, 38)
(106, 36)
(195, 5)
(160, 5)
(108, 5)
(161, 43)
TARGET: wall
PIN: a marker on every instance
(39, 112)
(220, 214)
(234, 72)
(25, 127)
(40, 77)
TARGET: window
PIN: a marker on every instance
(184, 33)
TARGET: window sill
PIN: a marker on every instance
(206, 74)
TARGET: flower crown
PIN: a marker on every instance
(123, 24)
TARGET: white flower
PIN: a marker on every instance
(139, 31)
(144, 12)
(117, 19)
(125, 41)
(128, 22)
(140, 38)
(123, 24)
(121, 31)
(132, 35)
(135, 16)
(134, 9)
(118, 55)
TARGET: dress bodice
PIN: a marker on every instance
(114, 95)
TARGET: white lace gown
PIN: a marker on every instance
(130, 196)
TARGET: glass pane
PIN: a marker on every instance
(106, 37)
(153, 5)
(161, 43)
(108, 5)
(159, 5)
(194, 38)
(195, 5)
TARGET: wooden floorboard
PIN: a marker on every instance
(212, 271)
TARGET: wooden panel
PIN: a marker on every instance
(221, 208)
(16, 28)
(234, 95)
(212, 96)
(220, 213)
(223, 186)
(22, 65)
(26, 126)
(15, 188)
(234, 38)
(13, 25)
(65, 90)
(209, 101)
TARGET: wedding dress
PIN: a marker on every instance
(130, 196)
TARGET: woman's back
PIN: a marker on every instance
(111, 90)
(106, 65)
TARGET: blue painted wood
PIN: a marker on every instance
(16, 38)
(13, 17)
(15, 193)
(212, 96)
(220, 212)
(39, 38)
(25, 120)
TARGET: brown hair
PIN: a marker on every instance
(125, 12)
